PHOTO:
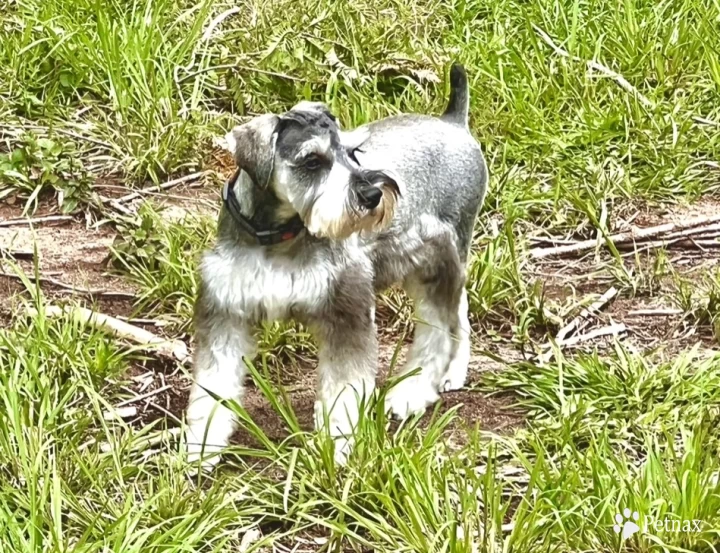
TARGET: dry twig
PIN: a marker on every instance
(689, 243)
(146, 395)
(579, 322)
(165, 186)
(16, 254)
(614, 329)
(35, 220)
(173, 349)
(669, 312)
(167, 413)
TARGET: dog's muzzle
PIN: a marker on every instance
(372, 186)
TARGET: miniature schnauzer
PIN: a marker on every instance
(315, 222)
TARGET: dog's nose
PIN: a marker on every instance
(369, 196)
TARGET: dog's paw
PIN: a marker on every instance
(206, 463)
(199, 458)
(453, 380)
(409, 397)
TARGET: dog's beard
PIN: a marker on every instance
(333, 215)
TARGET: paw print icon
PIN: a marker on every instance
(626, 523)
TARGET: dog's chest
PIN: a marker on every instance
(257, 288)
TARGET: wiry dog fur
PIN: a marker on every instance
(391, 202)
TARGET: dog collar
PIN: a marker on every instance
(284, 232)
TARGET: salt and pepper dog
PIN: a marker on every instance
(315, 223)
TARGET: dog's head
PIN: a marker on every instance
(305, 158)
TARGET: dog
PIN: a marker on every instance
(315, 222)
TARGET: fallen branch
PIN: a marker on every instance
(115, 205)
(579, 322)
(35, 220)
(551, 240)
(705, 236)
(702, 244)
(636, 235)
(665, 243)
(713, 229)
(172, 349)
(97, 292)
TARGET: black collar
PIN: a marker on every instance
(287, 231)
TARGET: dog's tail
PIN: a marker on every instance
(457, 109)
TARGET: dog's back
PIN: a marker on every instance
(438, 163)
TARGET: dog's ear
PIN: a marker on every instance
(386, 179)
(253, 146)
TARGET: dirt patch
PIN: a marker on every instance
(69, 254)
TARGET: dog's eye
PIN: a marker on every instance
(312, 162)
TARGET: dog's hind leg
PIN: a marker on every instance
(456, 374)
(437, 291)
(222, 341)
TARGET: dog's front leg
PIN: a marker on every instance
(346, 374)
(221, 344)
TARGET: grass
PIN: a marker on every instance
(601, 434)
(626, 432)
(37, 165)
(133, 91)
